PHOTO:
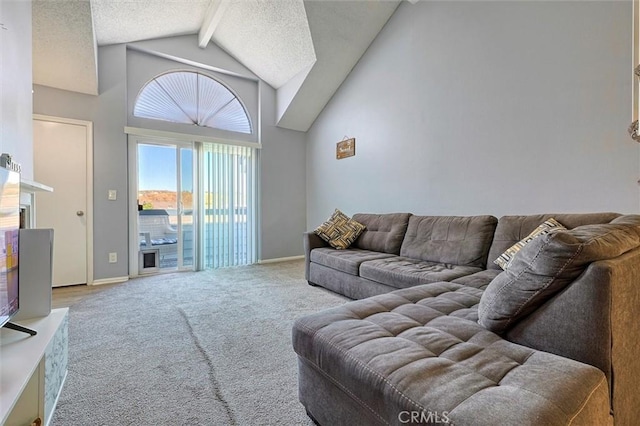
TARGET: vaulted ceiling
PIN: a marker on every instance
(303, 49)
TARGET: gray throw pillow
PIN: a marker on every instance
(548, 264)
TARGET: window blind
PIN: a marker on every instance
(229, 201)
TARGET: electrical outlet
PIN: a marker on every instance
(113, 257)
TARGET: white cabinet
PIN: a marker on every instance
(33, 369)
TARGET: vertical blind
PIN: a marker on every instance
(229, 202)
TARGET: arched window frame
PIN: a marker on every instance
(198, 74)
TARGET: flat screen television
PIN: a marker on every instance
(9, 241)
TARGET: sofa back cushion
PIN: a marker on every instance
(383, 233)
(548, 264)
(512, 229)
(458, 240)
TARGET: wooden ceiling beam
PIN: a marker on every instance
(212, 18)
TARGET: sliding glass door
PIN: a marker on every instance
(196, 205)
(166, 202)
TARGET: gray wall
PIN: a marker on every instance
(16, 129)
(108, 114)
(483, 108)
(282, 158)
(282, 184)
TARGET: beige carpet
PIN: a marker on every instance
(201, 348)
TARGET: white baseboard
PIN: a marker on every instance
(280, 259)
(113, 280)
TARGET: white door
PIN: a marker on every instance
(60, 161)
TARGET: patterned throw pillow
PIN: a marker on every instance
(550, 225)
(340, 230)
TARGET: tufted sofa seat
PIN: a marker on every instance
(418, 356)
(442, 335)
(347, 261)
(402, 272)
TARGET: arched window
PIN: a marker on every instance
(192, 98)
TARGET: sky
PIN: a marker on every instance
(157, 167)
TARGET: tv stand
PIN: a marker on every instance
(17, 327)
(33, 369)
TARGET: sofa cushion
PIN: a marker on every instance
(549, 225)
(419, 350)
(548, 264)
(347, 261)
(478, 280)
(456, 240)
(511, 229)
(401, 272)
(384, 232)
(339, 230)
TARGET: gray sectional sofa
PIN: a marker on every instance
(419, 347)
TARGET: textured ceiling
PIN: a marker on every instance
(303, 49)
(54, 46)
(124, 21)
(341, 31)
(271, 38)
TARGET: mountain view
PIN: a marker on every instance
(163, 199)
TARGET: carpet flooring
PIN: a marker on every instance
(196, 348)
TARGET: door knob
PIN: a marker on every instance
(80, 213)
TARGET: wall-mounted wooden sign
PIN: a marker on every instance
(346, 148)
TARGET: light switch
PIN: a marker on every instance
(113, 195)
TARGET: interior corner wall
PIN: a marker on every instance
(108, 114)
(16, 128)
(282, 184)
(282, 170)
(462, 108)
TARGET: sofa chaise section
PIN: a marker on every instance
(420, 354)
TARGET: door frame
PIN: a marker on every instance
(88, 125)
(133, 140)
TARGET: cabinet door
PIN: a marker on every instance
(29, 407)
(56, 359)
